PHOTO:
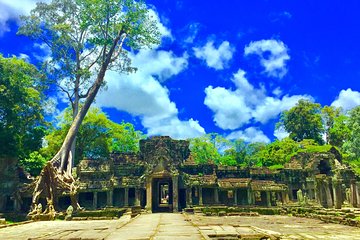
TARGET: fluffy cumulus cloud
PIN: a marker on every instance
(216, 58)
(235, 108)
(347, 99)
(250, 134)
(141, 94)
(11, 10)
(273, 56)
(281, 133)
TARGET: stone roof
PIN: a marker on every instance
(234, 182)
(264, 185)
(202, 180)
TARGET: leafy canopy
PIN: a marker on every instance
(22, 121)
(303, 121)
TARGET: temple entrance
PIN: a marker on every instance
(162, 192)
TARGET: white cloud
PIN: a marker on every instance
(193, 31)
(11, 10)
(275, 62)
(141, 94)
(229, 107)
(24, 57)
(250, 134)
(280, 133)
(164, 31)
(215, 58)
(234, 108)
(347, 99)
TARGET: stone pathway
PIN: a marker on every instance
(145, 227)
(158, 227)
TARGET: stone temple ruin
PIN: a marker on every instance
(163, 177)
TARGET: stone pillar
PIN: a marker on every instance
(137, 197)
(189, 196)
(249, 196)
(268, 199)
(235, 197)
(337, 193)
(175, 182)
(17, 205)
(149, 195)
(200, 196)
(329, 201)
(353, 200)
(109, 198)
(216, 195)
(126, 197)
(95, 200)
(357, 187)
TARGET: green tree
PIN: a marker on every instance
(253, 154)
(278, 153)
(106, 29)
(339, 131)
(22, 123)
(351, 146)
(303, 121)
(97, 136)
(34, 163)
(204, 150)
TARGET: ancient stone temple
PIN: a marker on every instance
(163, 177)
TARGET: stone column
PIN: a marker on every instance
(126, 197)
(353, 200)
(337, 193)
(148, 195)
(357, 187)
(189, 196)
(137, 197)
(216, 195)
(17, 205)
(235, 197)
(249, 196)
(329, 201)
(109, 198)
(94, 200)
(175, 182)
(268, 199)
(200, 196)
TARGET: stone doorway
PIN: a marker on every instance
(162, 195)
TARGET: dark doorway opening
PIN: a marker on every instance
(324, 167)
(162, 195)
(182, 199)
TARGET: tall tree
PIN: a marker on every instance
(303, 121)
(352, 144)
(21, 114)
(105, 30)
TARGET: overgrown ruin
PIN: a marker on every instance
(163, 177)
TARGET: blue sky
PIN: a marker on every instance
(230, 68)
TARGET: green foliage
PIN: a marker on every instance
(303, 121)
(21, 115)
(204, 150)
(351, 146)
(336, 130)
(97, 136)
(80, 33)
(276, 153)
(34, 163)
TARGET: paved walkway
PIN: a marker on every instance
(158, 227)
(145, 227)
